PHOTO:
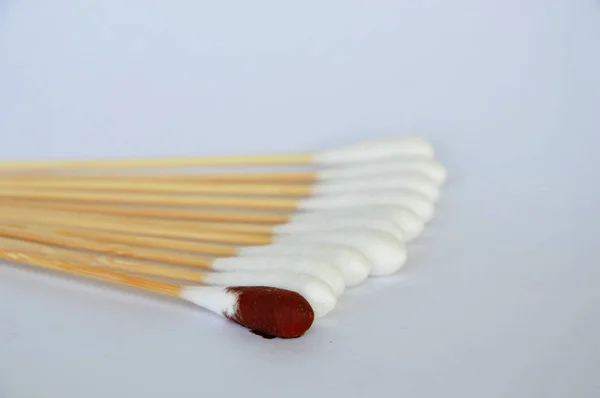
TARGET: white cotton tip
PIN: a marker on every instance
(407, 220)
(319, 295)
(329, 223)
(213, 298)
(431, 169)
(385, 253)
(412, 182)
(353, 266)
(421, 206)
(328, 273)
(367, 151)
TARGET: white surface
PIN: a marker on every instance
(500, 296)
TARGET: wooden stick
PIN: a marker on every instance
(124, 239)
(186, 187)
(148, 199)
(52, 237)
(100, 219)
(145, 222)
(106, 262)
(157, 212)
(71, 267)
(209, 161)
(249, 177)
(170, 244)
(151, 228)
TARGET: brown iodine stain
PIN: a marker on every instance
(262, 334)
(271, 312)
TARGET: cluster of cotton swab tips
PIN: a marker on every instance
(270, 250)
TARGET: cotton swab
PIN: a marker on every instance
(326, 272)
(429, 168)
(267, 311)
(385, 218)
(356, 153)
(399, 167)
(354, 267)
(385, 252)
(305, 222)
(350, 261)
(411, 183)
(412, 201)
(320, 296)
(377, 196)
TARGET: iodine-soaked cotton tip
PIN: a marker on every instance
(272, 312)
(320, 296)
(414, 202)
(267, 311)
(353, 266)
(431, 169)
(270, 261)
(367, 151)
(414, 182)
(385, 253)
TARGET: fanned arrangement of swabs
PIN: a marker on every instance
(271, 247)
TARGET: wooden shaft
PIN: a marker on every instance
(240, 160)
(293, 190)
(152, 242)
(149, 222)
(53, 237)
(158, 212)
(44, 261)
(112, 263)
(149, 199)
(55, 217)
(248, 177)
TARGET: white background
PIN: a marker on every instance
(501, 295)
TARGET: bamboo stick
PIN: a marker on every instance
(157, 212)
(105, 262)
(71, 267)
(289, 177)
(150, 199)
(50, 236)
(143, 227)
(72, 185)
